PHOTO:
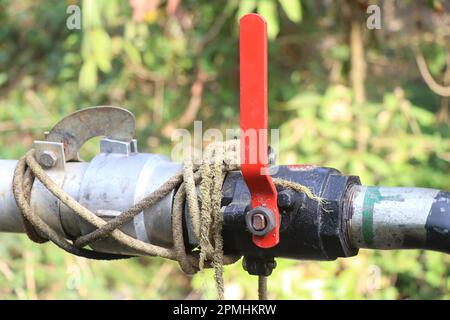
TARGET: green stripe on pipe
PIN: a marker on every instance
(372, 197)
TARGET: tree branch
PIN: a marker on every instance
(427, 77)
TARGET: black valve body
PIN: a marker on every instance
(309, 230)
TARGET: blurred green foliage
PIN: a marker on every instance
(172, 62)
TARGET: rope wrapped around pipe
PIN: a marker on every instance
(218, 159)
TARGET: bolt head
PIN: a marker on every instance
(48, 159)
(259, 221)
(285, 200)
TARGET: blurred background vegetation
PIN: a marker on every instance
(343, 95)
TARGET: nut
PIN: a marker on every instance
(48, 159)
(285, 200)
(260, 221)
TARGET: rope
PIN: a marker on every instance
(206, 221)
(262, 288)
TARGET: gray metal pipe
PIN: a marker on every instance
(400, 218)
(108, 185)
(379, 217)
(10, 219)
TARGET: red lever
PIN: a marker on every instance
(254, 121)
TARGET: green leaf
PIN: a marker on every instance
(438, 61)
(293, 9)
(3, 78)
(111, 12)
(268, 9)
(101, 49)
(91, 14)
(132, 52)
(424, 117)
(245, 6)
(340, 52)
(303, 100)
(87, 80)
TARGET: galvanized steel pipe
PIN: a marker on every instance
(400, 218)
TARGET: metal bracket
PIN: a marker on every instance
(77, 128)
(119, 147)
(66, 138)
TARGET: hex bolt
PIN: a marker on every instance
(259, 221)
(48, 159)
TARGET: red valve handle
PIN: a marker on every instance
(254, 121)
